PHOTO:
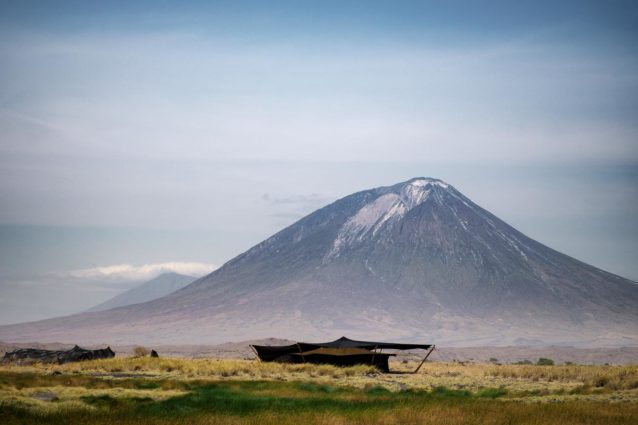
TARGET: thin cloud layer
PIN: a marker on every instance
(526, 97)
(39, 296)
(143, 272)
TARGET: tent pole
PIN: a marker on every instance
(374, 353)
(424, 359)
(301, 353)
(255, 351)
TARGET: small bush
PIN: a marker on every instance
(523, 362)
(491, 392)
(100, 401)
(545, 362)
(146, 385)
(140, 351)
(314, 388)
(444, 392)
(378, 390)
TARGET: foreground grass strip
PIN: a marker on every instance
(250, 397)
(448, 413)
(183, 391)
(291, 402)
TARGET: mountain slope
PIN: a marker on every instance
(155, 288)
(415, 260)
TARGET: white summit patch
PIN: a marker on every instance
(384, 210)
(381, 209)
(413, 195)
(424, 181)
(371, 217)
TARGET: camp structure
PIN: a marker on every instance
(341, 352)
(75, 354)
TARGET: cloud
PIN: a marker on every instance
(41, 296)
(307, 203)
(44, 295)
(294, 207)
(516, 99)
(143, 272)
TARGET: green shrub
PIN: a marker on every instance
(314, 388)
(491, 392)
(444, 392)
(378, 390)
(545, 362)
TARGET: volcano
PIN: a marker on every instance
(414, 261)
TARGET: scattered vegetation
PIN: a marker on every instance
(140, 351)
(181, 391)
(611, 378)
(545, 362)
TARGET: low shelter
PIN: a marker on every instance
(341, 352)
(75, 354)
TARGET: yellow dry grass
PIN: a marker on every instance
(608, 377)
(569, 381)
(199, 368)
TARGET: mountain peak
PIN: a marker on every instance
(425, 181)
(417, 190)
(416, 259)
(389, 206)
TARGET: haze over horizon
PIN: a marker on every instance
(147, 134)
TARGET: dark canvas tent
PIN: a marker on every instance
(343, 352)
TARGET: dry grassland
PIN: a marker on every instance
(207, 391)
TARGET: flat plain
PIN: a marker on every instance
(215, 391)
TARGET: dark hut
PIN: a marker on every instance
(75, 354)
(341, 352)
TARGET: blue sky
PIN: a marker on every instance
(161, 132)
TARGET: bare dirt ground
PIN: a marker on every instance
(241, 350)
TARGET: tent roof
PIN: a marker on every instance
(340, 352)
(267, 353)
(344, 342)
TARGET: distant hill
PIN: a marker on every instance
(414, 261)
(158, 287)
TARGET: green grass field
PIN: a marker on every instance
(181, 391)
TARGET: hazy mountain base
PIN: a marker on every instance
(187, 329)
(259, 317)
